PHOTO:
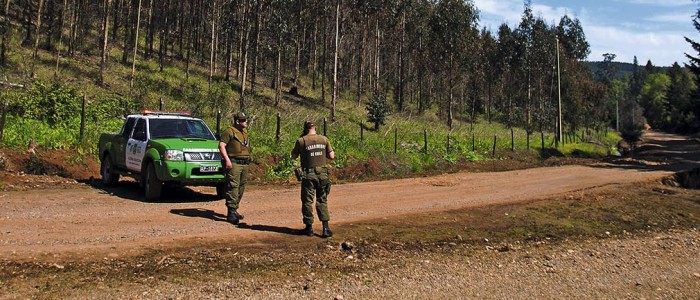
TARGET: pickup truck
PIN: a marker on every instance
(159, 148)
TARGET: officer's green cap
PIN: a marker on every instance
(240, 116)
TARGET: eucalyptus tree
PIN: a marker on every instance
(453, 27)
(507, 65)
(542, 65)
(492, 69)
(524, 59)
(279, 31)
(574, 74)
(103, 41)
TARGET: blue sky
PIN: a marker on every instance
(649, 29)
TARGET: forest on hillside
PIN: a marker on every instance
(417, 54)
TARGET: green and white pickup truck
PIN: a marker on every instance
(158, 148)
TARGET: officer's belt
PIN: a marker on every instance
(240, 161)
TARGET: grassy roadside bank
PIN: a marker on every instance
(296, 262)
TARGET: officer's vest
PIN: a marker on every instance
(314, 152)
(237, 142)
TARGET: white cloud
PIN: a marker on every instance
(663, 3)
(677, 17)
(662, 48)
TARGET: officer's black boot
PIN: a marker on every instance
(232, 217)
(239, 216)
(308, 230)
(326, 231)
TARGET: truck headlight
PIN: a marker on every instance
(174, 155)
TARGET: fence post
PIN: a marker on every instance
(2, 120)
(218, 123)
(324, 127)
(160, 104)
(396, 139)
(425, 141)
(277, 131)
(82, 120)
(362, 131)
(447, 148)
(494, 146)
(473, 142)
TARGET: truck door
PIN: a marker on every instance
(136, 146)
(119, 143)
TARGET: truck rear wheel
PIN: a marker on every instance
(152, 185)
(109, 177)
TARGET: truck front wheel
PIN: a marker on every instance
(109, 177)
(152, 185)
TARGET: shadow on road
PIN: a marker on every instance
(270, 228)
(199, 213)
(170, 194)
(211, 215)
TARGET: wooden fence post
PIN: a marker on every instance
(324, 127)
(82, 119)
(396, 140)
(494, 146)
(447, 148)
(218, 123)
(3, 118)
(425, 141)
(277, 131)
(362, 131)
(160, 104)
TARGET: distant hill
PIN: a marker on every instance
(623, 69)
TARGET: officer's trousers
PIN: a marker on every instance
(316, 182)
(235, 185)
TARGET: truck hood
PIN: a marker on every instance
(187, 144)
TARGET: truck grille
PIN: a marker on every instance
(202, 156)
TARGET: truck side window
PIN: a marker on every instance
(128, 126)
(140, 130)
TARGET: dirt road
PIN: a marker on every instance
(91, 218)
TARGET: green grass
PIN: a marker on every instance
(397, 147)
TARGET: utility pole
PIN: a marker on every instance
(559, 122)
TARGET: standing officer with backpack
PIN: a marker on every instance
(235, 152)
(315, 150)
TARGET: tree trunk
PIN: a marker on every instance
(211, 49)
(136, 46)
(314, 64)
(256, 44)
(298, 44)
(36, 37)
(162, 47)
(360, 63)
(278, 72)
(6, 32)
(335, 60)
(151, 31)
(376, 59)
(103, 52)
(128, 33)
(60, 37)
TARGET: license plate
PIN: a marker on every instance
(208, 168)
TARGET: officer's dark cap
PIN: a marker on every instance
(240, 116)
(309, 124)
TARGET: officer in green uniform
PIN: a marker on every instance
(235, 152)
(315, 150)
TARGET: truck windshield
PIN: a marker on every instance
(179, 128)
